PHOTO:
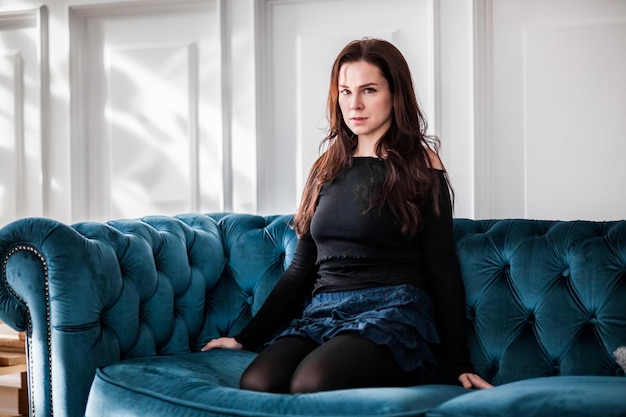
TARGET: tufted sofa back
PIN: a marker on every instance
(191, 277)
(543, 297)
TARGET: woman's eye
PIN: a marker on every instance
(369, 91)
(344, 92)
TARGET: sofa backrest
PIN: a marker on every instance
(197, 276)
(543, 297)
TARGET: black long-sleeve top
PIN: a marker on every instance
(354, 246)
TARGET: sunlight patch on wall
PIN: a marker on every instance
(150, 152)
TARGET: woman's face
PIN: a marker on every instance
(365, 100)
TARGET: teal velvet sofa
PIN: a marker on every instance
(116, 313)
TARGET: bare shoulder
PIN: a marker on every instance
(435, 161)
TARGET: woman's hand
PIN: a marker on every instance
(223, 343)
(473, 381)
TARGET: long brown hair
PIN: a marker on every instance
(409, 182)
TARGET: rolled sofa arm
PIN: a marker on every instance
(92, 294)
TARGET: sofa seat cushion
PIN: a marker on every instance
(206, 384)
(571, 396)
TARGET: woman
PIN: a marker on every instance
(375, 244)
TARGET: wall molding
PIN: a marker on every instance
(227, 106)
(44, 86)
(435, 44)
(264, 93)
(13, 169)
(484, 169)
(17, 19)
(18, 117)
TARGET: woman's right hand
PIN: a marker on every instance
(223, 343)
(470, 381)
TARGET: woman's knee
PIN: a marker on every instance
(255, 378)
(346, 361)
(312, 380)
(272, 369)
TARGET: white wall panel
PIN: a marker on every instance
(557, 116)
(575, 119)
(239, 57)
(11, 139)
(455, 112)
(298, 43)
(148, 109)
(23, 110)
(152, 162)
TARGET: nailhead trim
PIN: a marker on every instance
(35, 252)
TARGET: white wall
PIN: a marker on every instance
(559, 109)
(115, 108)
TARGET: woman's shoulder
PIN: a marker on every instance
(434, 159)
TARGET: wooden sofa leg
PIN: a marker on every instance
(22, 405)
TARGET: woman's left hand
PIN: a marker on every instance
(473, 381)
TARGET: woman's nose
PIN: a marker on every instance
(356, 102)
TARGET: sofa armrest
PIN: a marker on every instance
(92, 294)
(54, 286)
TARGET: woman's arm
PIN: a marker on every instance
(445, 282)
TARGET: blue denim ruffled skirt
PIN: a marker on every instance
(400, 317)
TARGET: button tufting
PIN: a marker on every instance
(250, 300)
(566, 273)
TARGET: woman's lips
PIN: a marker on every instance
(358, 120)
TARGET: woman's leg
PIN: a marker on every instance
(347, 361)
(272, 369)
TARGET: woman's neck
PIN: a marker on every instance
(365, 148)
(363, 151)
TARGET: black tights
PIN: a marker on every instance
(297, 365)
